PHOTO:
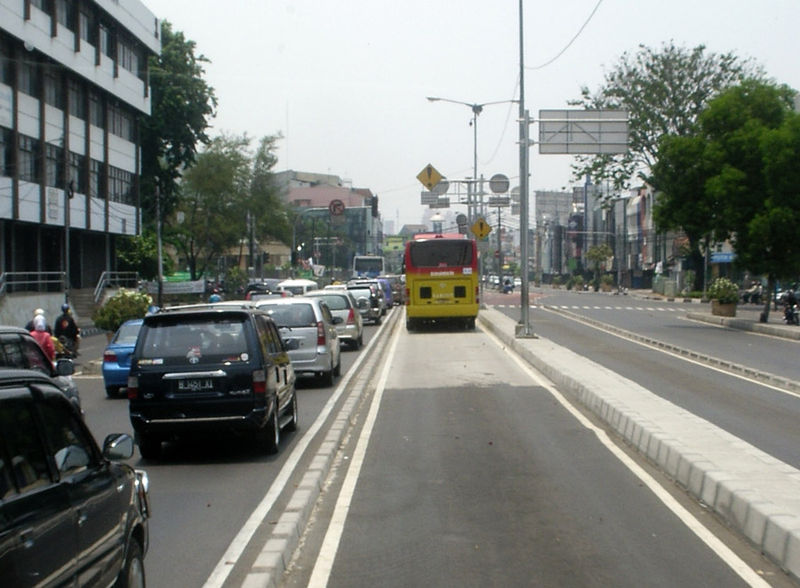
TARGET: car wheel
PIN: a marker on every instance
(132, 573)
(360, 341)
(337, 371)
(271, 434)
(292, 424)
(112, 391)
(327, 378)
(149, 446)
(378, 320)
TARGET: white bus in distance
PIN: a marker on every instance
(368, 266)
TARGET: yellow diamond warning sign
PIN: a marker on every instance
(480, 228)
(429, 176)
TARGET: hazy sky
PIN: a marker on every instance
(344, 82)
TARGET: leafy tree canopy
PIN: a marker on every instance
(665, 91)
(182, 103)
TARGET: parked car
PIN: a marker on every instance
(69, 515)
(208, 368)
(117, 357)
(309, 328)
(18, 349)
(368, 301)
(342, 304)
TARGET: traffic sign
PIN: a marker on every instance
(480, 228)
(429, 177)
(336, 207)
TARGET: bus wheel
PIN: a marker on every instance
(410, 324)
(471, 324)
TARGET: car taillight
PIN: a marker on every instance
(320, 333)
(259, 382)
(109, 357)
(351, 317)
(133, 388)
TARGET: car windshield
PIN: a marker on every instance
(291, 315)
(198, 336)
(128, 334)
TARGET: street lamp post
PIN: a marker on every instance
(472, 192)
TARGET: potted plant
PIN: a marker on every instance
(123, 306)
(724, 295)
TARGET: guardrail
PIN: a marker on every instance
(11, 282)
(118, 279)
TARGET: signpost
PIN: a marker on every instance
(583, 131)
(429, 177)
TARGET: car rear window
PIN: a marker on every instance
(291, 315)
(335, 302)
(201, 337)
(360, 292)
(128, 334)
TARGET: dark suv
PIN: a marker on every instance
(68, 515)
(204, 368)
(19, 350)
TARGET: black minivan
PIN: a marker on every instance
(204, 368)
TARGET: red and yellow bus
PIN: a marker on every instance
(441, 279)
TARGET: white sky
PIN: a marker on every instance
(345, 81)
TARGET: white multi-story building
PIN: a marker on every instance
(73, 86)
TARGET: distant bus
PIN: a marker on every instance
(441, 280)
(368, 266)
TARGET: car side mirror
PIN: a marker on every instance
(118, 446)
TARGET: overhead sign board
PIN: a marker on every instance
(429, 177)
(440, 203)
(428, 197)
(499, 201)
(588, 132)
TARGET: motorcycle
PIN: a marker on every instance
(65, 348)
(791, 314)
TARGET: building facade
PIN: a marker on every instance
(73, 85)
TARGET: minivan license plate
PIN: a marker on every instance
(196, 385)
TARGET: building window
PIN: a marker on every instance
(126, 55)
(77, 173)
(54, 167)
(105, 40)
(28, 148)
(77, 103)
(95, 109)
(29, 77)
(6, 152)
(65, 12)
(87, 23)
(6, 63)
(95, 174)
(120, 122)
(41, 5)
(120, 185)
(53, 90)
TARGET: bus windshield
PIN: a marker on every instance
(441, 253)
(367, 265)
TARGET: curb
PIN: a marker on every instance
(756, 494)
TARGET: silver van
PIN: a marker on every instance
(308, 328)
(343, 305)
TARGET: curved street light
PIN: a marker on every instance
(476, 108)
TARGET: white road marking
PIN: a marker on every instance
(330, 545)
(712, 541)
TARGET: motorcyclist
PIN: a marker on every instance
(215, 297)
(42, 337)
(66, 327)
(38, 312)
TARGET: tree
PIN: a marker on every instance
(597, 254)
(182, 103)
(211, 213)
(140, 254)
(271, 214)
(664, 91)
(736, 178)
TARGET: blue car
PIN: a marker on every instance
(117, 357)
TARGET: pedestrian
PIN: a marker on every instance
(43, 338)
